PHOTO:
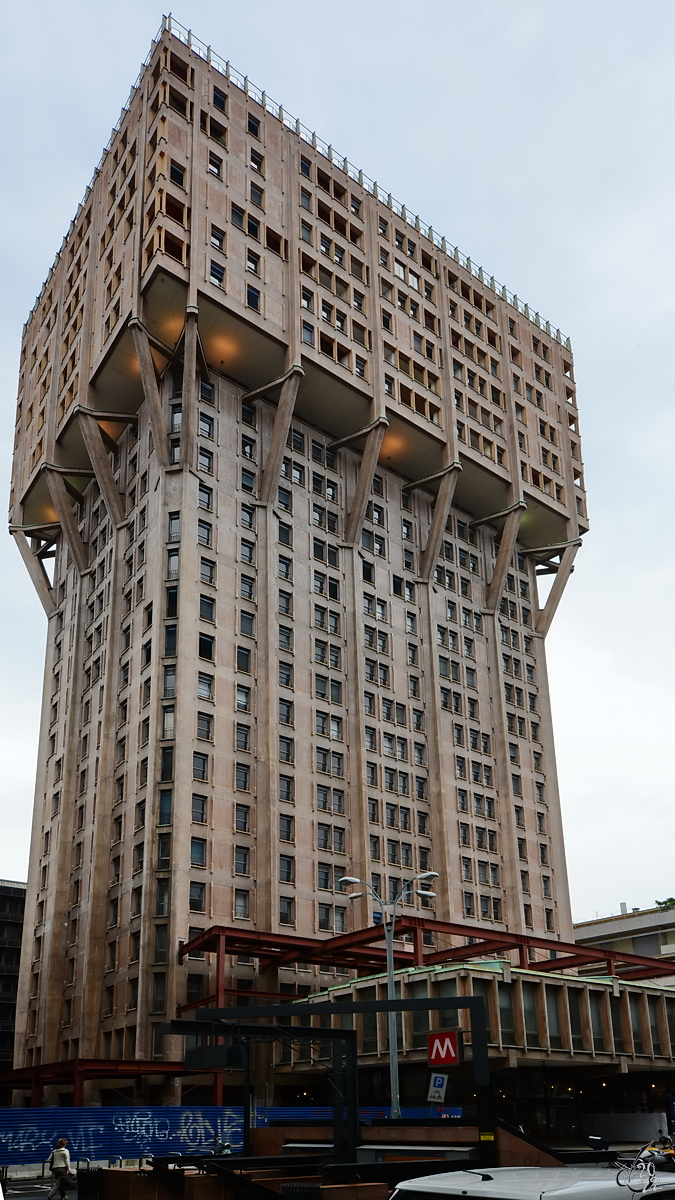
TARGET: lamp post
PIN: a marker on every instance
(388, 912)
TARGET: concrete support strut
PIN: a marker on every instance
(150, 389)
(188, 419)
(506, 548)
(555, 595)
(38, 575)
(364, 482)
(446, 492)
(282, 424)
(98, 456)
(350, 438)
(259, 393)
(64, 509)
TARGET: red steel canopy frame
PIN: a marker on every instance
(360, 951)
(76, 1070)
(357, 951)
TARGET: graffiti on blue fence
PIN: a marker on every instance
(28, 1135)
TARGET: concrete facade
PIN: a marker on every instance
(569, 1055)
(287, 470)
(12, 904)
(638, 931)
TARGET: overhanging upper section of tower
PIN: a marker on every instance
(212, 203)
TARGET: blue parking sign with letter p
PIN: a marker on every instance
(437, 1086)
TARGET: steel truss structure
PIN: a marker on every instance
(360, 951)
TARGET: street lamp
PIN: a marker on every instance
(388, 911)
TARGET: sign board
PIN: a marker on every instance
(437, 1088)
(442, 1049)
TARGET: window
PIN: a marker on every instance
(198, 852)
(217, 240)
(247, 551)
(286, 868)
(287, 788)
(200, 766)
(286, 749)
(241, 904)
(286, 910)
(204, 726)
(217, 274)
(247, 623)
(206, 646)
(242, 860)
(286, 828)
(199, 809)
(207, 571)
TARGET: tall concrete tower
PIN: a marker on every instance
(287, 469)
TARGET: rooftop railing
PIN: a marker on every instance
(186, 36)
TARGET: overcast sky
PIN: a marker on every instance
(538, 136)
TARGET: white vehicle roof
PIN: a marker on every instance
(531, 1183)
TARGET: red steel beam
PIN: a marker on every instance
(644, 972)
(356, 950)
(460, 952)
(572, 960)
(205, 1001)
(89, 1068)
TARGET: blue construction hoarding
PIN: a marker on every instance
(27, 1135)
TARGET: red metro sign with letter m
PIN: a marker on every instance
(442, 1049)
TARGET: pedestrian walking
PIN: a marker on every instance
(59, 1165)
